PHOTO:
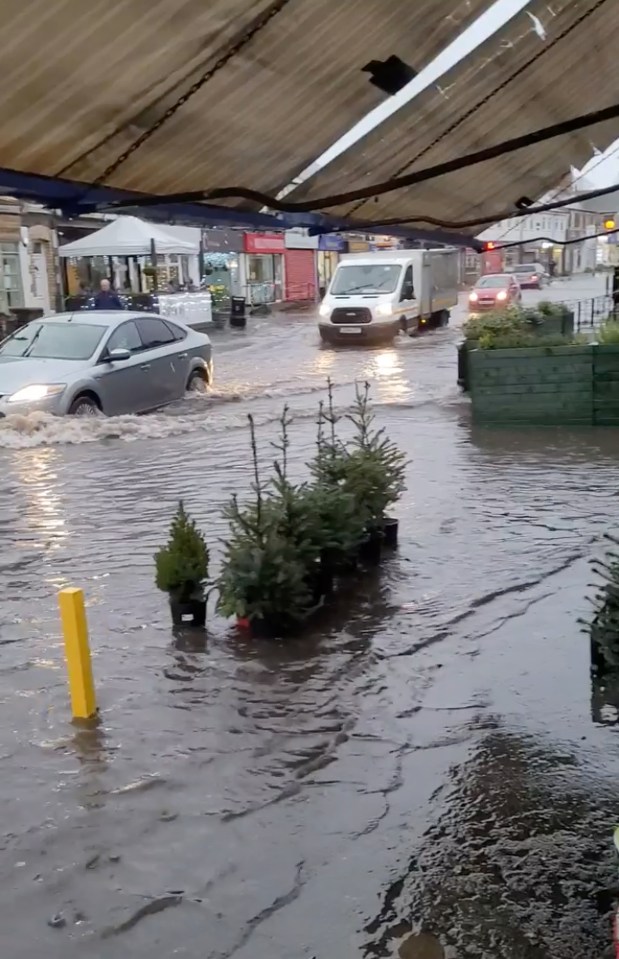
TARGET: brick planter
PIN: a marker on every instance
(549, 386)
(562, 325)
(606, 385)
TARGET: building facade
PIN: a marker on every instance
(542, 236)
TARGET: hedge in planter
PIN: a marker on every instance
(550, 319)
(182, 570)
(520, 326)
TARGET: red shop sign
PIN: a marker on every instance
(265, 243)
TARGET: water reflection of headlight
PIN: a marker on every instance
(44, 508)
(324, 361)
(385, 368)
(386, 363)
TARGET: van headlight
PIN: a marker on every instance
(384, 309)
(36, 392)
(324, 309)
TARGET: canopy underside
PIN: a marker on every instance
(278, 82)
(516, 82)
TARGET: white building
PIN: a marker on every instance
(539, 235)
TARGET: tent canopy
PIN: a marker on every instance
(128, 236)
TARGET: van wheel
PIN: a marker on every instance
(85, 406)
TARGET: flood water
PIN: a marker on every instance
(421, 776)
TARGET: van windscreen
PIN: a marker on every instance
(366, 278)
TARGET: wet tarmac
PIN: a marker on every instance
(421, 777)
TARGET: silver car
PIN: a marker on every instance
(96, 362)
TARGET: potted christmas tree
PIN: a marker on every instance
(182, 570)
(264, 580)
(374, 471)
(334, 506)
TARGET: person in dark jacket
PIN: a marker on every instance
(107, 298)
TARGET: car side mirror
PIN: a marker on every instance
(408, 293)
(118, 356)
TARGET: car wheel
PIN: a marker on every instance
(84, 406)
(197, 382)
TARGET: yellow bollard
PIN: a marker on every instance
(77, 652)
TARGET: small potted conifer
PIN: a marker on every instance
(182, 570)
(374, 471)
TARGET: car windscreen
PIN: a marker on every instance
(526, 268)
(366, 278)
(495, 281)
(54, 341)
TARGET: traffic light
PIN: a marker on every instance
(489, 246)
(609, 223)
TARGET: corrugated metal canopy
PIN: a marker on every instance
(514, 83)
(278, 82)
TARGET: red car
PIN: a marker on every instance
(495, 291)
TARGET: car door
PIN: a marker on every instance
(121, 383)
(180, 359)
(159, 361)
(408, 304)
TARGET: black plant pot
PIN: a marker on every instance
(348, 565)
(371, 548)
(264, 628)
(191, 612)
(336, 563)
(390, 532)
(320, 582)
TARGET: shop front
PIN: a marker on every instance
(263, 267)
(357, 244)
(380, 242)
(11, 283)
(330, 246)
(221, 252)
(300, 266)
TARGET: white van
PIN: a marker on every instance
(374, 296)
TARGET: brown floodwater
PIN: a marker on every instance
(426, 774)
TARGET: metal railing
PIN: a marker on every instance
(590, 313)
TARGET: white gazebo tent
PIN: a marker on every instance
(128, 236)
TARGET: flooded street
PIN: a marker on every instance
(420, 777)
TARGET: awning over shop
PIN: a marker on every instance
(128, 236)
(553, 62)
(167, 97)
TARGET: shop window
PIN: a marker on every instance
(264, 278)
(11, 289)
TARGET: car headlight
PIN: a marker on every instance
(324, 309)
(384, 309)
(501, 295)
(31, 394)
